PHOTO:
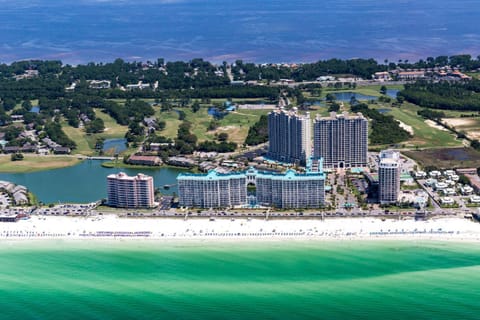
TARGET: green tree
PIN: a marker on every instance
(334, 107)
(95, 126)
(16, 157)
(223, 136)
(383, 90)
(330, 97)
(27, 105)
(195, 106)
(475, 144)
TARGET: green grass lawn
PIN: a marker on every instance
(86, 142)
(424, 135)
(235, 124)
(32, 163)
(78, 135)
(112, 128)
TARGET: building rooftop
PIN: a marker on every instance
(124, 176)
(389, 157)
(291, 113)
(314, 171)
(343, 115)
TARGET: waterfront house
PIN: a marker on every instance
(181, 162)
(61, 150)
(11, 149)
(28, 148)
(144, 160)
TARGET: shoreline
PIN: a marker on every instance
(113, 228)
(121, 165)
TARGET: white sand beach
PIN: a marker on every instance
(113, 227)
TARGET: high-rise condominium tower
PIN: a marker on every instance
(389, 176)
(341, 140)
(289, 136)
(130, 192)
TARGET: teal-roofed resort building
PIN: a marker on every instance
(253, 188)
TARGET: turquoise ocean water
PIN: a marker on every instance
(248, 280)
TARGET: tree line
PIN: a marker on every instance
(444, 95)
(385, 129)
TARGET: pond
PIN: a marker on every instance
(35, 109)
(85, 182)
(347, 96)
(115, 145)
(216, 113)
(384, 110)
(392, 93)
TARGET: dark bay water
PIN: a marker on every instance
(218, 30)
(85, 182)
(249, 280)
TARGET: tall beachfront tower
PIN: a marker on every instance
(212, 190)
(341, 140)
(389, 176)
(289, 136)
(281, 190)
(130, 192)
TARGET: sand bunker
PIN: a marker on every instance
(433, 124)
(459, 122)
(406, 127)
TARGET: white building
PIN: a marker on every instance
(280, 190)
(440, 186)
(420, 174)
(475, 199)
(447, 201)
(449, 192)
(466, 189)
(448, 173)
(434, 174)
(341, 140)
(289, 136)
(389, 176)
(130, 192)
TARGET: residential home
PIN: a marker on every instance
(382, 75)
(27, 147)
(61, 150)
(411, 75)
(99, 84)
(145, 160)
(11, 149)
(181, 162)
